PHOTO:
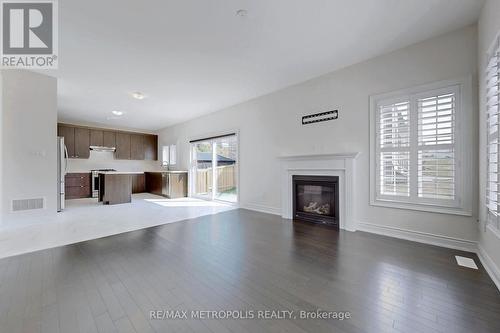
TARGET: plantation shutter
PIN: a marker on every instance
(419, 143)
(492, 114)
(393, 136)
(436, 163)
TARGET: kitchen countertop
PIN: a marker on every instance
(131, 172)
(168, 171)
(121, 172)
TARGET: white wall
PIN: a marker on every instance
(269, 126)
(106, 160)
(488, 28)
(1, 150)
(28, 140)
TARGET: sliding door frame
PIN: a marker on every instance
(212, 137)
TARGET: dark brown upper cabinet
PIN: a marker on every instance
(109, 139)
(129, 146)
(96, 138)
(82, 142)
(68, 133)
(122, 146)
(136, 147)
(151, 147)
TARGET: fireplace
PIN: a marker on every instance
(316, 199)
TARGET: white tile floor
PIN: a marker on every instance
(86, 219)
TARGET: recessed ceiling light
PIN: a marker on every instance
(117, 113)
(138, 95)
(242, 13)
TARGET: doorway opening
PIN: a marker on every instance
(214, 168)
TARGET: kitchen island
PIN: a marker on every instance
(170, 184)
(115, 187)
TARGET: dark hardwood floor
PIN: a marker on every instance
(243, 260)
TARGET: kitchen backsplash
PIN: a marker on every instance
(106, 160)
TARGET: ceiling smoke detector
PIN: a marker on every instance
(138, 95)
(242, 13)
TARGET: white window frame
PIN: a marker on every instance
(462, 205)
(167, 160)
(192, 168)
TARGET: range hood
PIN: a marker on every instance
(100, 148)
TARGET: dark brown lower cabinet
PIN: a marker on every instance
(115, 188)
(167, 184)
(154, 182)
(177, 185)
(78, 185)
(139, 183)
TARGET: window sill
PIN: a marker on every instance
(421, 207)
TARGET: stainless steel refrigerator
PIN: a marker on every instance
(62, 166)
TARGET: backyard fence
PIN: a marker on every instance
(226, 179)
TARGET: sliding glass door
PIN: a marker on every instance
(226, 154)
(214, 167)
(203, 167)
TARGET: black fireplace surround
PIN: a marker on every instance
(316, 199)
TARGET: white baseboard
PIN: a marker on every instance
(261, 208)
(490, 266)
(421, 237)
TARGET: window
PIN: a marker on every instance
(394, 152)
(417, 147)
(169, 155)
(492, 85)
(172, 155)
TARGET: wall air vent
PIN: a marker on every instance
(27, 204)
(319, 117)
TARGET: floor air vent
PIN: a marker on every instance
(466, 262)
(27, 204)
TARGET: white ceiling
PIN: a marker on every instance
(192, 57)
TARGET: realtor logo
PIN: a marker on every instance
(29, 34)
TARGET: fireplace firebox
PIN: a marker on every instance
(316, 199)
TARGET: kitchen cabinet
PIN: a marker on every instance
(96, 138)
(115, 188)
(68, 133)
(78, 185)
(154, 182)
(129, 146)
(151, 147)
(177, 185)
(170, 184)
(138, 183)
(122, 146)
(76, 139)
(137, 147)
(108, 139)
(82, 142)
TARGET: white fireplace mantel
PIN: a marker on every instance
(341, 165)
